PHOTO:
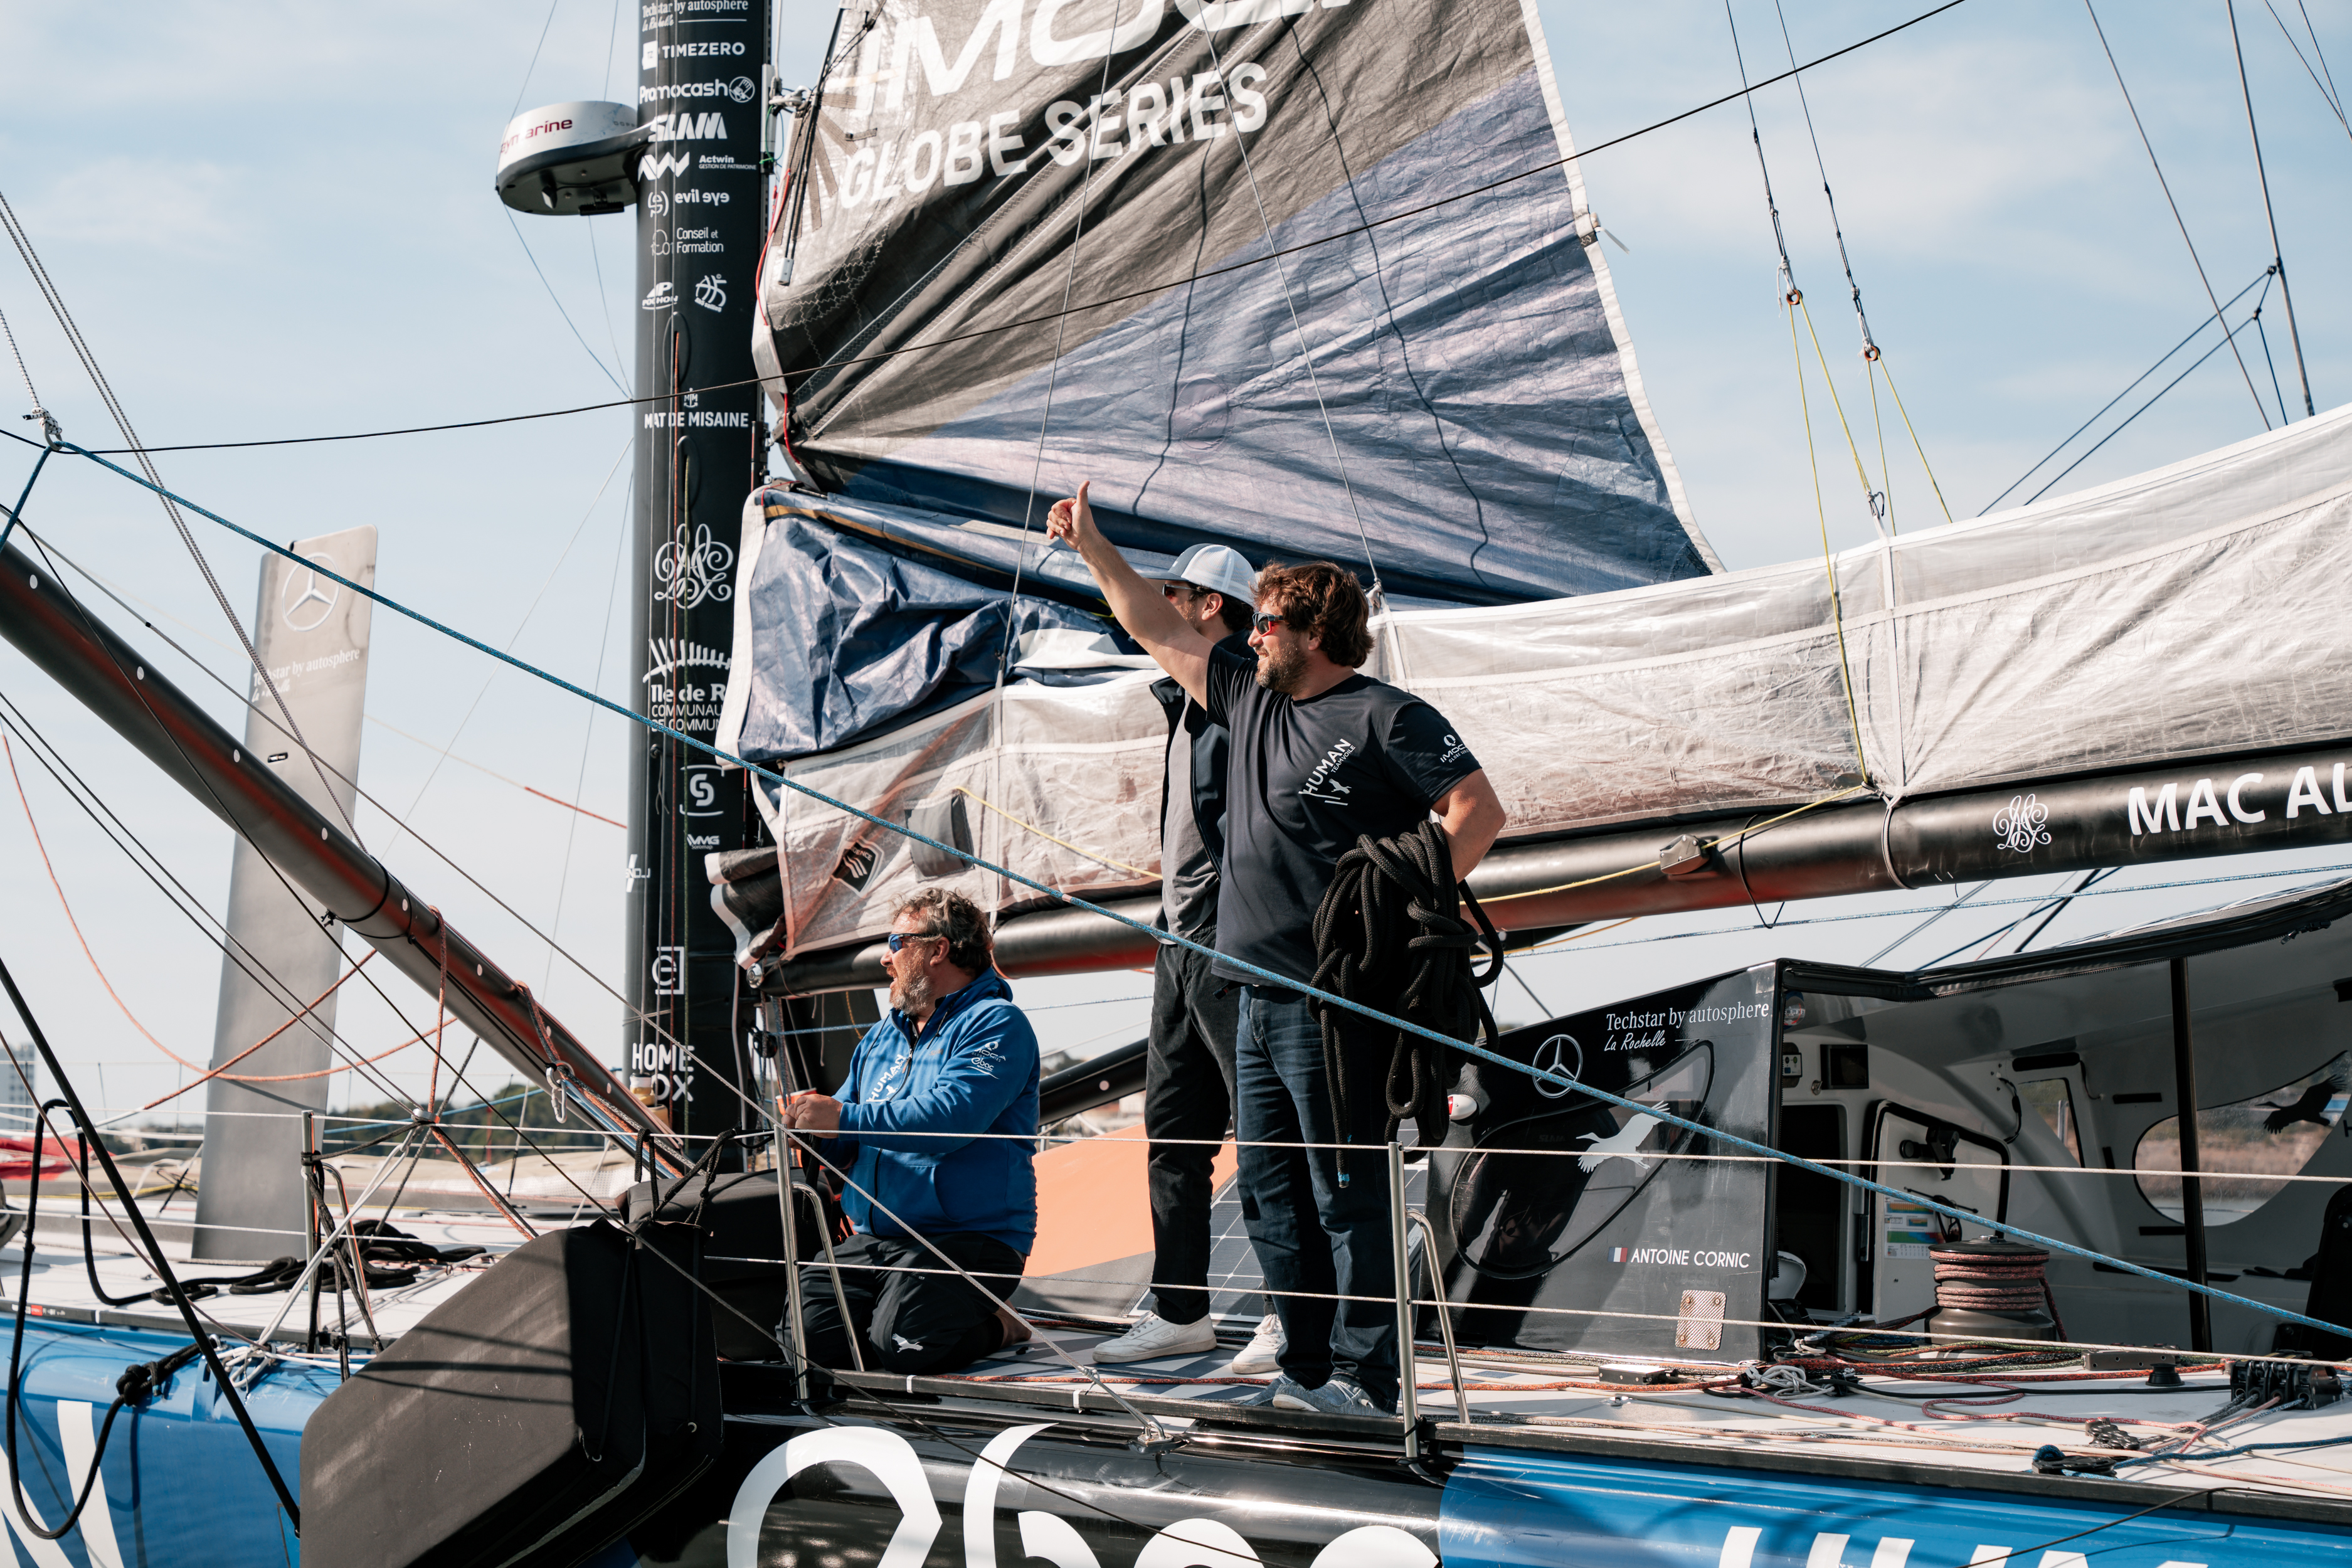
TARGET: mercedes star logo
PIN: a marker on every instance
(1561, 1056)
(308, 599)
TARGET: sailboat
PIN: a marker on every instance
(1220, 258)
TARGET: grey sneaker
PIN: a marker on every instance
(1154, 1337)
(1281, 1393)
(1263, 1353)
(1337, 1398)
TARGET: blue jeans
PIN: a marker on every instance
(1340, 1246)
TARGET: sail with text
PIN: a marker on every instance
(1189, 252)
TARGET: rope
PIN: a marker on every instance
(1729, 840)
(1032, 828)
(1968, 1277)
(1933, 483)
(1388, 933)
(1250, 971)
(1829, 562)
(124, 1008)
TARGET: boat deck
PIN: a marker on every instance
(1950, 1423)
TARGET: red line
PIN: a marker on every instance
(581, 809)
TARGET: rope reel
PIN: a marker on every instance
(1996, 1288)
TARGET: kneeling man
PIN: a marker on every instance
(953, 1061)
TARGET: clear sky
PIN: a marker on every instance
(273, 219)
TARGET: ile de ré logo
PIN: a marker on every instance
(675, 694)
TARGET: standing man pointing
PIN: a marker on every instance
(1321, 756)
(1188, 1085)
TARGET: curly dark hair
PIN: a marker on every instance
(942, 912)
(1324, 601)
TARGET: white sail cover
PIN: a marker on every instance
(2201, 609)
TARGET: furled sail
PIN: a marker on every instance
(1187, 251)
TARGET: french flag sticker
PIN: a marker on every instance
(1616, 1254)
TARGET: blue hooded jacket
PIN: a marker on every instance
(973, 1070)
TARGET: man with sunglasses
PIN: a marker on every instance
(1188, 1084)
(936, 1127)
(1321, 756)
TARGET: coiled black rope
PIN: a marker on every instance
(1389, 934)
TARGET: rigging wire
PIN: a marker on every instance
(2262, 178)
(1252, 972)
(552, 298)
(1872, 354)
(2327, 89)
(1306, 350)
(1054, 366)
(528, 70)
(124, 1008)
(211, 796)
(1366, 227)
(2178, 222)
(2126, 392)
(2228, 338)
(594, 976)
(522, 626)
(83, 351)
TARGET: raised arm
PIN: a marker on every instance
(1142, 610)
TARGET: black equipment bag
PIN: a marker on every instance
(742, 1228)
(532, 1418)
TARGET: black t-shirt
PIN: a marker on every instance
(1306, 781)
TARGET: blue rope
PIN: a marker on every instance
(1266, 975)
(26, 495)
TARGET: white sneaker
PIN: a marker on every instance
(1154, 1336)
(1264, 1351)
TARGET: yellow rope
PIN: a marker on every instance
(1917, 446)
(1728, 841)
(1828, 567)
(1829, 381)
(1032, 828)
(1878, 427)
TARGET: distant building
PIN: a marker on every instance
(16, 1088)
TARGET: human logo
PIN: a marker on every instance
(661, 242)
(657, 204)
(1320, 786)
(661, 296)
(742, 89)
(711, 293)
(1562, 1058)
(308, 599)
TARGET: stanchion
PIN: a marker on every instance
(1408, 1405)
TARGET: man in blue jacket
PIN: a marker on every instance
(937, 1127)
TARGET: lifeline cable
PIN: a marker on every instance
(1254, 973)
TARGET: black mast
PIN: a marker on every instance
(698, 453)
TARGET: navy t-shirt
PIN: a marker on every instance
(1305, 780)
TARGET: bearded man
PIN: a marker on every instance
(1321, 756)
(937, 1127)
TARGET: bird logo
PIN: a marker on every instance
(1619, 1145)
(2313, 1104)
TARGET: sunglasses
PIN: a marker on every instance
(1176, 590)
(899, 939)
(1265, 621)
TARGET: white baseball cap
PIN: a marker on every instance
(1216, 567)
